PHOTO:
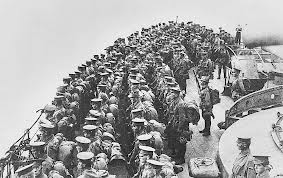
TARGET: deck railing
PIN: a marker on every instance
(257, 100)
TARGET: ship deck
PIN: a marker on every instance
(201, 146)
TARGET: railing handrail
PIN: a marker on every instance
(266, 98)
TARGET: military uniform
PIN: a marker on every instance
(85, 163)
(262, 168)
(206, 105)
(243, 166)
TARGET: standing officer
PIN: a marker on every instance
(243, 165)
(222, 61)
(205, 105)
(205, 67)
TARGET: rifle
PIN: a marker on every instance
(197, 81)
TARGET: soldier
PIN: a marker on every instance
(243, 165)
(60, 111)
(138, 127)
(106, 142)
(38, 152)
(177, 126)
(153, 169)
(205, 67)
(85, 163)
(49, 111)
(262, 167)
(92, 132)
(82, 145)
(137, 113)
(145, 153)
(136, 100)
(206, 105)
(25, 171)
(46, 132)
(238, 35)
(222, 61)
(143, 140)
(183, 70)
(240, 87)
(37, 168)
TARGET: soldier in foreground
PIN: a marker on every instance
(262, 166)
(243, 165)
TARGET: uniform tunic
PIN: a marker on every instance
(243, 166)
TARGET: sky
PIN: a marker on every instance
(41, 41)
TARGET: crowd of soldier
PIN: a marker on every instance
(111, 116)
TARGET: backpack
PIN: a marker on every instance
(214, 96)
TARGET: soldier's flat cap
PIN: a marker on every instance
(80, 68)
(109, 70)
(50, 107)
(133, 75)
(85, 155)
(91, 119)
(107, 63)
(261, 159)
(78, 72)
(137, 110)
(24, 170)
(134, 69)
(169, 79)
(37, 144)
(146, 148)
(104, 73)
(96, 100)
(93, 60)
(154, 162)
(101, 86)
(172, 84)
(142, 82)
(96, 114)
(108, 136)
(245, 139)
(47, 126)
(90, 127)
(144, 137)
(82, 140)
(59, 97)
(67, 78)
(135, 82)
(84, 66)
(62, 86)
(176, 89)
(72, 75)
(138, 120)
(93, 112)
